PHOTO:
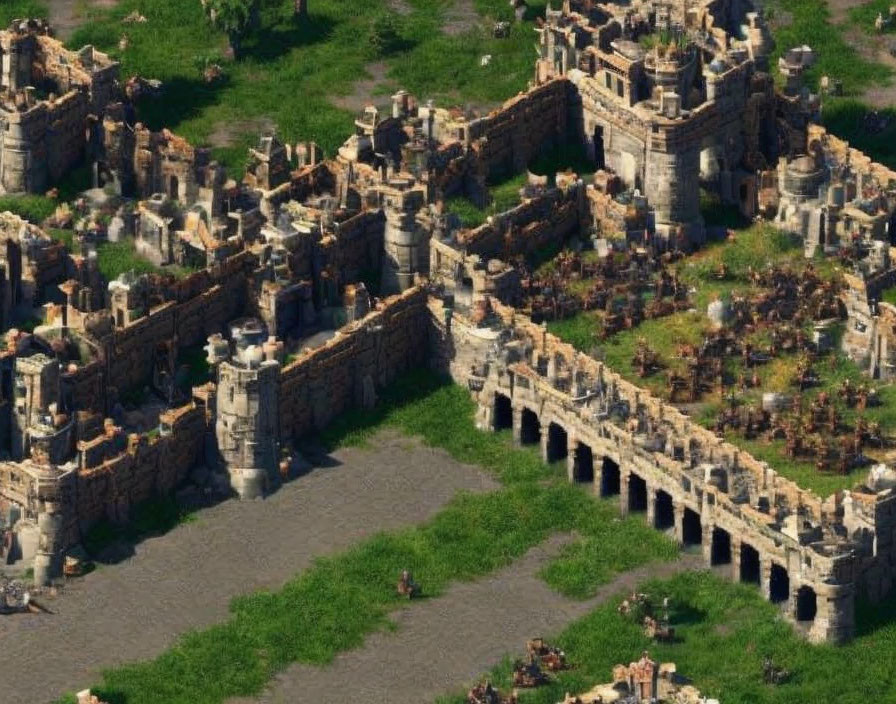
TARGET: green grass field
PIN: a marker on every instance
(19, 9)
(725, 631)
(754, 247)
(333, 605)
(290, 72)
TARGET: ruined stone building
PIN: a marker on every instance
(50, 98)
(643, 680)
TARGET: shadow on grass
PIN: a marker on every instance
(273, 42)
(182, 99)
(872, 617)
(357, 425)
(866, 129)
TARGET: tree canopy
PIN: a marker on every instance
(233, 17)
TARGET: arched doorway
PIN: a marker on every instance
(557, 443)
(749, 564)
(530, 428)
(637, 493)
(664, 514)
(609, 478)
(584, 466)
(779, 585)
(503, 413)
(692, 528)
(806, 604)
(721, 547)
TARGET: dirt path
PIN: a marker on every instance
(65, 14)
(443, 645)
(186, 579)
(364, 91)
(839, 9)
(460, 18)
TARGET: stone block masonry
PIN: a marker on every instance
(514, 135)
(808, 554)
(347, 372)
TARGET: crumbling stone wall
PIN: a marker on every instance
(536, 223)
(356, 248)
(202, 304)
(510, 137)
(41, 140)
(148, 467)
(84, 387)
(824, 547)
(347, 371)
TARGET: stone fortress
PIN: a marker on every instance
(665, 102)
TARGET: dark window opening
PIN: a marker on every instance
(664, 514)
(749, 564)
(609, 478)
(557, 443)
(503, 414)
(530, 428)
(806, 604)
(692, 529)
(637, 494)
(584, 468)
(779, 585)
(721, 547)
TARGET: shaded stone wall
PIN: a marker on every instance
(84, 387)
(203, 303)
(532, 225)
(513, 135)
(149, 467)
(357, 248)
(346, 372)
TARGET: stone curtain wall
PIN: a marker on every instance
(532, 225)
(85, 387)
(204, 303)
(514, 135)
(363, 357)
(860, 162)
(357, 248)
(149, 467)
(66, 142)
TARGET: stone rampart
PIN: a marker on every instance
(346, 372)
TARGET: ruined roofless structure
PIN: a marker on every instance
(667, 97)
(48, 95)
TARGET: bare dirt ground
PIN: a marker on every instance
(461, 17)
(64, 14)
(444, 645)
(840, 9)
(363, 91)
(226, 134)
(185, 580)
(400, 6)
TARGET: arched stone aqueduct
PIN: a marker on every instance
(601, 454)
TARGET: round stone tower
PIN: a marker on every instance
(406, 242)
(247, 425)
